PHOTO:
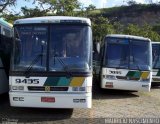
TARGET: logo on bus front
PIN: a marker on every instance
(47, 88)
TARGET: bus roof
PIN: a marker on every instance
(153, 42)
(5, 23)
(128, 36)
(52, 19)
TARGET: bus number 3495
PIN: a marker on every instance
(27, 81)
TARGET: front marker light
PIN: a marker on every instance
(21, 88)
(103, 76)
(74, 88)
(89, 89)
(82, 88)
(145, 80)
(17, 87)
(14, 88)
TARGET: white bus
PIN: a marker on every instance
(5, 50)
(52, 63)
(126, 63)
(155, 62)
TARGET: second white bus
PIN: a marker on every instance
(126, 63)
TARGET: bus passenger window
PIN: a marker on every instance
(6, 32)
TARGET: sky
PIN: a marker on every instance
(85, 3)
(111, 3)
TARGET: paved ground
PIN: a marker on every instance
(106, 104)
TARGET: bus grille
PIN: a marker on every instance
(127, 78)
(133, 78)
(121, 77)
(156, 79)
(33, 88)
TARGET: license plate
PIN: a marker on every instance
(109, 85)
(47, 99)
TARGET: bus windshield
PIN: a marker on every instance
(69, 48)
(127, 54)
(156, 56)
(52, 48)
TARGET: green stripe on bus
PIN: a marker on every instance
(130, 74)
(158, 73)
(64, 81)
(137, 74)
(52, 81)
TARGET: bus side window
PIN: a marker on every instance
(0, 39)
(6, 41)
(6, 32)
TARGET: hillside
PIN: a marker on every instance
(135, 14)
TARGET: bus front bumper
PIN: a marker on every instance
(126, 85)
(50, 100)
(156, 79)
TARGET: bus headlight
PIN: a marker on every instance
(112, 77)
(18, 88)
(78, 88)
(145, 80)
(21, 88)
(82, 88)
(14, 88)
(74, 88)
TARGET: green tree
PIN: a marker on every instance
(33, 12)
(62, 7)
(101, 27)
(131, 2)
(11, 17)
(5, 3)
(90, 7)
(67, 7)
(145, 31)
(118, 27)
(132, 29)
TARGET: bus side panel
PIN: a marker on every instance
(5, 51)
(156, 76)
(3, 79)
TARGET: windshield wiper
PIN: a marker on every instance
(138, 67)
(28, 70)
(63, 65)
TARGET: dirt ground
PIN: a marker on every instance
(106, 104)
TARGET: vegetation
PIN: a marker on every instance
(5, 3)
(104, 21)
